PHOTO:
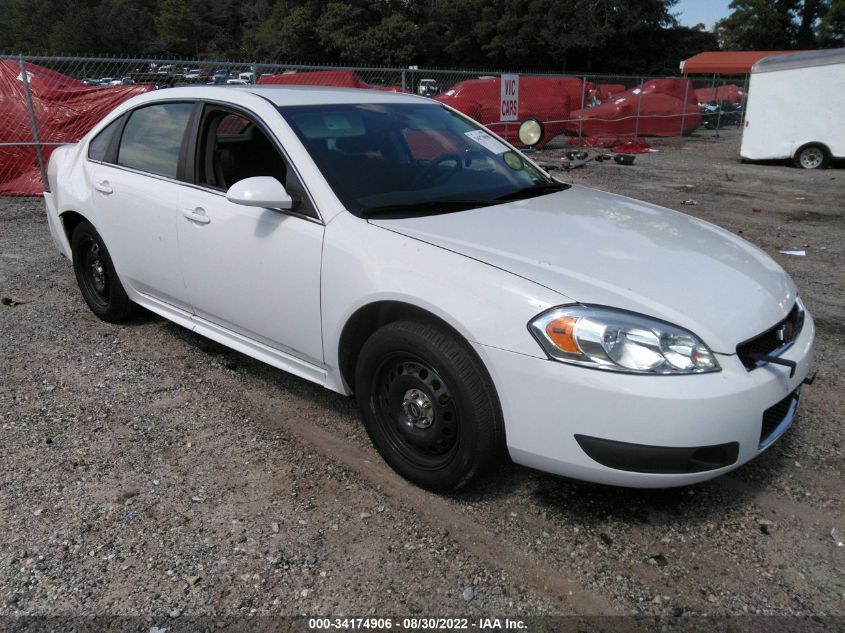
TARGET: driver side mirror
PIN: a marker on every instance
(260, 191)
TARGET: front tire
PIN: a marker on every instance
(812, 156)
(428, 405)
(96, 277)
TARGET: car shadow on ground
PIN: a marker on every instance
(835, 163)
(142, 319)
(585, 502)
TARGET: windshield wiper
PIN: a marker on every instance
(442, 206)
(534, 190)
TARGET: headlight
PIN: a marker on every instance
(530, 132)
(617, 340)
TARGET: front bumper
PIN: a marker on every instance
(546, 404)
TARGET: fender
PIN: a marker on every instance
(486, 305)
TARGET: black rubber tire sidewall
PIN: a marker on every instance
(825, 153)
(118, 307)
(481, 435)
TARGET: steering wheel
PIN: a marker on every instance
(427, 173)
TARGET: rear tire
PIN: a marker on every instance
(96, 277)
(812, 156)
(428, 405)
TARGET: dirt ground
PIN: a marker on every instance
(149, 472)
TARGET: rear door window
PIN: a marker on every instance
(152, 138)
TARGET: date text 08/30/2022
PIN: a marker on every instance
(415, 623)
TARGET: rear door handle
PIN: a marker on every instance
(197, 215)
(103, 186)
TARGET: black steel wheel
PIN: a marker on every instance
(416, 412)
(428, 405)
(96, 276)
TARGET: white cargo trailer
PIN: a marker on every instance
(796, 109)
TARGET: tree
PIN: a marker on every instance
(757, 25)
(76, 33)
(625, 36)
(184, 27)
(127, 27)
(781, 24)
(533, 34)
(225, 34)
(393, 41)
(28, 24)
(832, 25)
(298, 39)
(259, 20)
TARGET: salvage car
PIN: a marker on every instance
(428, 87)
(547, 100)
(658, 107)
(387, 246)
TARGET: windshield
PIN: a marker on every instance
(384, 158)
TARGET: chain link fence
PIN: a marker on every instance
(49, 101)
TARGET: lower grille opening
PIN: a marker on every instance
(777, 418)
(666, 460)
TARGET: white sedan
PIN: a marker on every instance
(385, 245)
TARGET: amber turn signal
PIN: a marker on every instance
(561, 332)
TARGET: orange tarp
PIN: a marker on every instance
(725, 62)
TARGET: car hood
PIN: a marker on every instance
(600, 248)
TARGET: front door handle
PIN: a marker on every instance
(103, 187)
(197, 215)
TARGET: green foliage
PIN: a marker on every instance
(625, 36)
(832, 25)
(78, 26)
(782, 24)
(121, 21)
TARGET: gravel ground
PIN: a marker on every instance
(149, 472)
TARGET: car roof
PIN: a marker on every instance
(294, 95)
(314, 95)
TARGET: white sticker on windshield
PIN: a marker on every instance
(486, 141)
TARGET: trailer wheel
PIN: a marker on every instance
(812, 156)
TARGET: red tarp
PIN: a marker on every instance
(730, 92)
(548, 99)
(336, 78)
(667, 107)
(637, 146)
(65, 110)
(603, 92)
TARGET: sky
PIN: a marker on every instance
(691, 12)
